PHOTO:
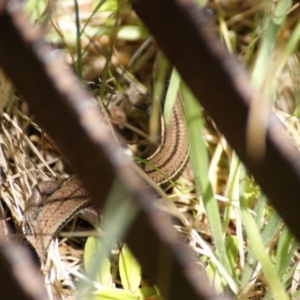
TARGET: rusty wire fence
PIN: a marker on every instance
(50, 89)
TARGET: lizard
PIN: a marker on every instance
(65, 199)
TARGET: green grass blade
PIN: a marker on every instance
(171, 95)
(98, 6)
(200, 162)
(78, 41)
(259, 250)
(119, 212)
(268, 42)
(287, 245)
(232, 190)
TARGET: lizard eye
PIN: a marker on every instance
(27, 229)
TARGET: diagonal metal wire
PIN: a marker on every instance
(224, 90)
